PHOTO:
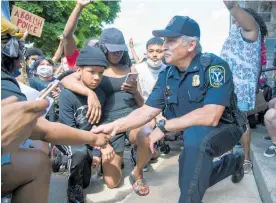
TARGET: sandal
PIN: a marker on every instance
(139, 186)
(247, 166)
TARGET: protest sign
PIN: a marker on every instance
(27, 21)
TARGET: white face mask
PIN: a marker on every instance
(153, 64)
(45, 71)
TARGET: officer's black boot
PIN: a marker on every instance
(239, 174)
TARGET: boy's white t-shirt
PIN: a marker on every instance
(147, 78)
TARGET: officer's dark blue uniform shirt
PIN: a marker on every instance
(178, 93)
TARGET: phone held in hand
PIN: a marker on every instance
(131, 77)
(49, 89)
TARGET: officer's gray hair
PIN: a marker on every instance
(188, 39)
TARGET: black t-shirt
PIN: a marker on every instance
(10, 87)
(274, 62)
(73, 108)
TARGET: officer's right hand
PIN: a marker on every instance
(109, 128)
(84, 3)
(101, 140)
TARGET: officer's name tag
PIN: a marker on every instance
(216, 76)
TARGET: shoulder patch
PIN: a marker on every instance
(216, 75)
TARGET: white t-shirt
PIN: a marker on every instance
(147, 78)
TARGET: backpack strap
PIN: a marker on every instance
(204, 62)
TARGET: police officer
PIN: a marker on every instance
(196, 95)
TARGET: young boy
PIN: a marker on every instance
(91, 64)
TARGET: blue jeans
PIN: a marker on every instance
(197, 171)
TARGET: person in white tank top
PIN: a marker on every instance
(150, 69)
(148, 75)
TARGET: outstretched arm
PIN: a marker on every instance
(245, 20)
(58, 133)
(69, 41)
(133, 52)
(59, 50)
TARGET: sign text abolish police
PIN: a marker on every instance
(27, 21)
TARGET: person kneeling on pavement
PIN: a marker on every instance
(91, 64)
(196, 94)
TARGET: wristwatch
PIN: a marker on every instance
(161, 125)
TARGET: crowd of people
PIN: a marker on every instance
(100, 110)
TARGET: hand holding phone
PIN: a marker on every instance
(130, 84)
(49, 89)
(131, 77)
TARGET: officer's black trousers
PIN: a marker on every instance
(79, 171)
(197, 171)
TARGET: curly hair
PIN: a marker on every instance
(259, 20)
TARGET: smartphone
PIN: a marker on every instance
(49, 89)
(131, 77)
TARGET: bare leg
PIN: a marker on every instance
(27, 177)
(140, 137)
(245, 141)
(272, 103)
(112, 171)
(40, 145)
(270, 123)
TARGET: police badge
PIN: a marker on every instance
(196, 81)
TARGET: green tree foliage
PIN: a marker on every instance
(56, 14)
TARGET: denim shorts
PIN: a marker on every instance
(118, 141)
(5, 159)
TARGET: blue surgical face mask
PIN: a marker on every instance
(31, 65)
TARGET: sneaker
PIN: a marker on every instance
(146, 168)
(271, 151)
(239, 174)
(267, 138)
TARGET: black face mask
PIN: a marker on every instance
(11, 48)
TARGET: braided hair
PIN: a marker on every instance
(259, 20)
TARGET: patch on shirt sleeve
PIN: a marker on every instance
(216, 75)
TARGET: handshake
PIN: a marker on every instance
(103, 134)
